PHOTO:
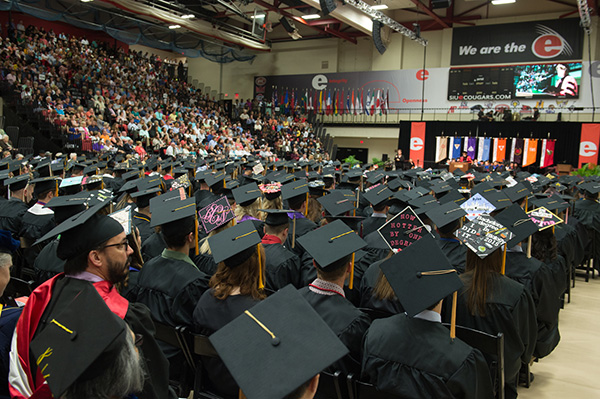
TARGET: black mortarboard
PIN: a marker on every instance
(66, 206)
(80, 341)
(483, 235)
(517, 192)
(378, 194)
(17, 183)
(591, 187)
(416, 192)
(444, 186)
(277, 345)
(354, 174)
(246, 194)
(143, 197)
(277, 217)
(482, 188)
(135, 174)
(214, 179)
(44, 184)
(336, 203)
(445, 214)
(552, 203)
(421, 275)
(294, 189)
(423, 201)
(234, 245)
(57, 168)
(452, 196)
(90, 170)
(166, 210)
(375, 177)
(516, 220)
(498, 199)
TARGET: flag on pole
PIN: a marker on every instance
(454, 149)
(336, 94)
(378, 102)
(368, 103)
(516, 153)
(321, 101)
(471, 146)
(441, 148)
(329, 109)
(373, 103)
(547, 155)
(530, 152)
(499, 150)
(483, 152)
(359, 103)
(384, 105)
(352, 102)
(348, 106)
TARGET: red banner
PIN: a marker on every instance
(590, 141)
(417, 143)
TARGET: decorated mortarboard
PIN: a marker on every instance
(80, 341)
(234, 245)
(181, 181)
(317, 188)
(543, 218)
(516, 220)
(123, 216)
(246, 194)
(277, 346)
(100, 197)
(94, 179)
(17, 183)
(403, 229)
(484, 235)
(330, 243)
(477, 205)
(336, 203)
(446, 214)
(215, 214)
(277, 217)
(165, 210)
(271, 190)
(294, 189)
(421, 275)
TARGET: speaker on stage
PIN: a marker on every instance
(327, 6)
(441, 3)
(377, 37)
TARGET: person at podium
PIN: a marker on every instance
(465, 158)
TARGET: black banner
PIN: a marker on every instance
(538, 41)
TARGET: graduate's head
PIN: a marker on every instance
(179, 232)
(335, 270)
(7, 246)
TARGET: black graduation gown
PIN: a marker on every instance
(153, 246)
(509, 309)
(8, 322)
(33, 228)
(206, 263)
(588, 213)
(282, 267)
(371, 224)
(210, 315)
(303, 226)
(156, 384)
(568, 244)
(346, 321)
(455, 252)
(11, 215)
(367, 285)
(48, 264)
(142, 222)
(416, 358)
(537, 278)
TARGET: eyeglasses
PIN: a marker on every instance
(122, 245)
(139, 340)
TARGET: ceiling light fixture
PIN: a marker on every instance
(188, 16)
(174, 26)
(310, 16)
(258, 16)
(380, 7)
(499, 2)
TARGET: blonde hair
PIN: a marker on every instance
(277, 203)
(204, 247)
(250, 210)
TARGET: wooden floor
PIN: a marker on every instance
(572, 370)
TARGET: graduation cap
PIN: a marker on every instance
(332, 243)
(354, 174)
(166, 210)
(445, 214)
(552, 203)
(482, 188)
(271, 190)
(57, 168)
(66, 206)
(444, 187)
(17, 183)
(517, 192)
(516, 220)
(135, 174)
(83, 232)
(44, 184)
(294, 190)
(215, 214)
(231, 184)
(396, 183)
(423, 201)
(336, 203)
(90, 170)
(416, 192)
(317, 188)
(277, 345)
(246, 194)
(477, 205)
(143, 197)
(421, 275)
(235, 245)
(214, 179)
(378, 194)
(93, 181)
(543, 218)
(375, 177)
(484, 235)
(123, 216)
(403, 229)
(277, 217)
(452, 196)
(592, 188)
(81, 340)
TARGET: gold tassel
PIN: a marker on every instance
(197, 250)
(241, 395)
(306, 206)
(294, 231)
(529, 247)
(504, 260)
(261, 283)
(453, 320)
(351, 282)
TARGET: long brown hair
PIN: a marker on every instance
(245, 276)
(383, 290)
(544, 246)
(314, 212)
(478, 281)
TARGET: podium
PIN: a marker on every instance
(464, 166)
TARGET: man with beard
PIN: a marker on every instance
(97, 253)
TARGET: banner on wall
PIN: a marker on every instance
(499, 150)
(590, 141)
(417, 143)
(539, 41)
(547, 154)
(530, 152)
(441, 148)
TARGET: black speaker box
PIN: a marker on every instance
(287, 25)
(377, 37)
(327, 6)
(441, 3)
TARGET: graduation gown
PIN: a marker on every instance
(416, 358)
(588, 213)
(346, 321)
(282, 267)
(371, 224)
(142, 222)
(11, 215)
(37, 221)
(455, 252)
(153, 246)
(366, 288)
(210, 315)
(48, 264)
(206, 263)
(509, 309)
(303, 226)
(538, 279)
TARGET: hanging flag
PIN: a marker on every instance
(310, 101)
(516, 153)
(417, 142)
(335, 102)
(529, 151)
(293, 101)
(368, 103)
(547, 154)
(329, 108)
(383, 103)
(373, 103)
(499, 150)
(441, 148)
(483, 152)
(321, 101)
(352, 102)
(378, 102)
(348, 106)
(588, 146)
(359, 107)
(471, 146)
(387, 101)
(454, 149)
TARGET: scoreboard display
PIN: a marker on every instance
(489, 83)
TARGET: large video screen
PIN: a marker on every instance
(548, 80)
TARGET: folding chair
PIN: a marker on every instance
(172, 336)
